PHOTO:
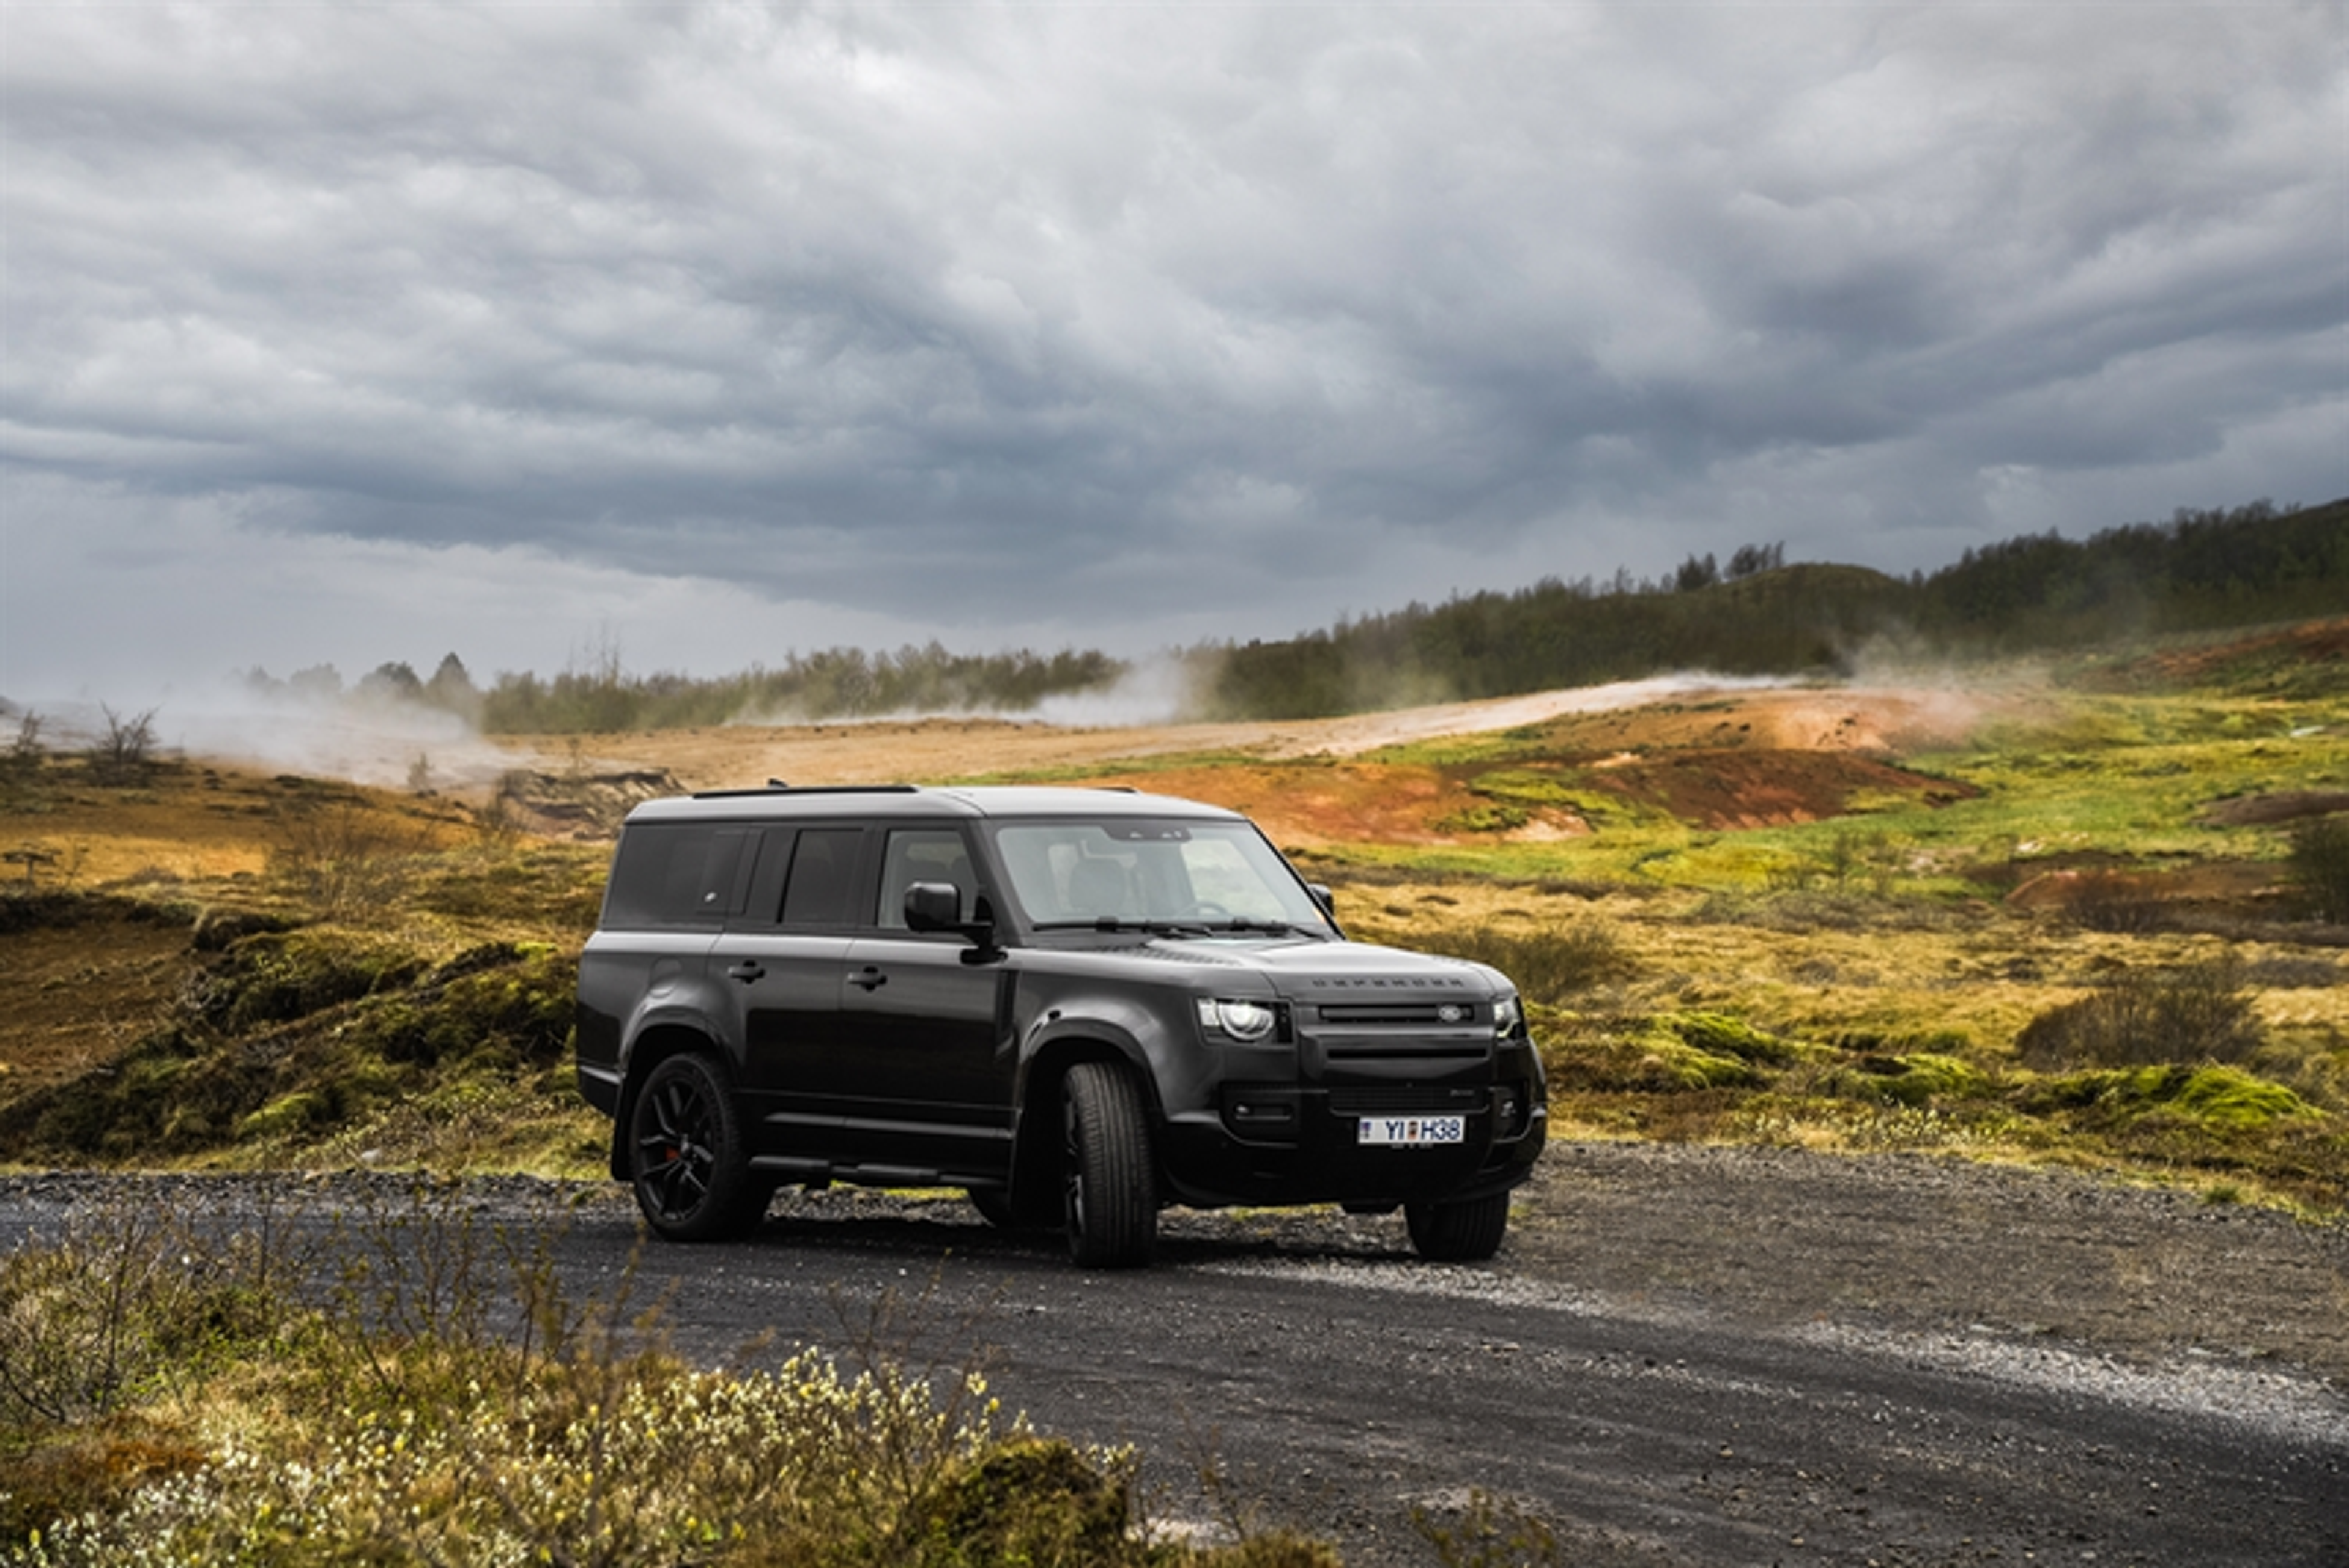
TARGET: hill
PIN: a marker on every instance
(2041, 593)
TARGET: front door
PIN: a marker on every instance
(931, 1033)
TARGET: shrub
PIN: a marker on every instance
(2319, 868)
(1547, 966)
(122, 755)
(342, 857)
(2113, 902)
(2198, 1013)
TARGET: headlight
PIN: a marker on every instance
(1248, 1020)
(1508, 1015)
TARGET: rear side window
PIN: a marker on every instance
(823, 876)
(680, 874)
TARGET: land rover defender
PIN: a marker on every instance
(1077, 1005)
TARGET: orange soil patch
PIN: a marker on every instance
(2313, 642)
(1307, 805)
(1731, 789)
(1873, 721)
(1369, 803)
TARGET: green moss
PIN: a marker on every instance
(1527, 787)
(286, 1115)
(1492, 818)
(1669, 1062)
(278, 976)
(1914, 1080)
(2221, 1099)
(1720, 1034)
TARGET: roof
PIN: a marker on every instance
(897, 802)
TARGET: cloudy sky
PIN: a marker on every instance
(356, 332)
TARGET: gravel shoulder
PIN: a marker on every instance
(1784, 1238)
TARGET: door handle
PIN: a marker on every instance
(870, 977)
(747, 972)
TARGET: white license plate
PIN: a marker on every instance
(1409, 1132)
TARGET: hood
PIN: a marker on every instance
(1345, 971)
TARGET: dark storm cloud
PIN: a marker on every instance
(1160, 321)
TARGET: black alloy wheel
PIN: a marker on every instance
(687, 1159)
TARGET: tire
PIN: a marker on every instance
(687, 1159)
(1467, 1231)
(1111, 1181)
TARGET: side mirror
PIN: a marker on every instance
(1323, 896)
(932, 907)
(937, 906)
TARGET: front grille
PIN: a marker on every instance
(1371, 1048)
(1386, 1013)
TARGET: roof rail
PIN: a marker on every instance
(777, 786)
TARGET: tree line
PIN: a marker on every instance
(2202, 569)
(1756, 614)
(600, 696)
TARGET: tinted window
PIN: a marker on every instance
(820, 889)
(678, 873)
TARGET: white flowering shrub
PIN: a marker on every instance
(168, 1402)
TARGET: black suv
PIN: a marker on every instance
(1076, 1004)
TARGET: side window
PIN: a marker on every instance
(922, 854)
(821, 889)
(678, 873)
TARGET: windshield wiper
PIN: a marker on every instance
(1120, 923)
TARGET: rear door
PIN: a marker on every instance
(783, 961)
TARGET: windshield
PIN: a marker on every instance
(1144, 873)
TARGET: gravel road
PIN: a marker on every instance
(1683, 1356)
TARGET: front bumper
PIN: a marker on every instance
(1275, 1144)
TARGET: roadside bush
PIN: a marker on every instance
(2319, 868)
(449, 1403)
(1548, 966)
(2198, 1013)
